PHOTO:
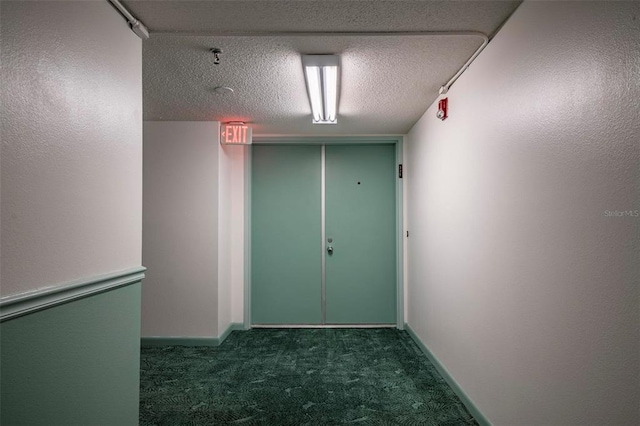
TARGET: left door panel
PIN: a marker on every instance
(285, 230)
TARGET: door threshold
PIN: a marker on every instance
(323, 326)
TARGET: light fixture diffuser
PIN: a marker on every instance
(321, 76)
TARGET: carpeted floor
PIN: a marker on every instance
(297, 377)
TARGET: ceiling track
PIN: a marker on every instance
(443, 89)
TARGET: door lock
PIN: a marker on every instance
(330, 250)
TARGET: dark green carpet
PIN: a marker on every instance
(297, 377)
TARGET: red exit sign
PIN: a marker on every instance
(235, 134)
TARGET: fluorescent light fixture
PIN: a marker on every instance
(321, 76)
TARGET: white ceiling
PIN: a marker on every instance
(387, 82)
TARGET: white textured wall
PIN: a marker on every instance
(180, 229)
(237, 233)
(519, 282)
(224, 238)
(231, 236)
(71, 143)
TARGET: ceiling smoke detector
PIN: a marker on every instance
(222, 90)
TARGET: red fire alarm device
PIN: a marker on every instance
(443, 109)
(235, 134)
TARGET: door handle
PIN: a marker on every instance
(330, 250)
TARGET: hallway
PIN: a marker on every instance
(176, 175)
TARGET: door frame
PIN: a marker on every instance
(397, 141)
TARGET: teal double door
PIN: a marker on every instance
(323, 235)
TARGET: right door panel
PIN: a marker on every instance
(360, 220)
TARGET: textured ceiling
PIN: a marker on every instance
(387, 82)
